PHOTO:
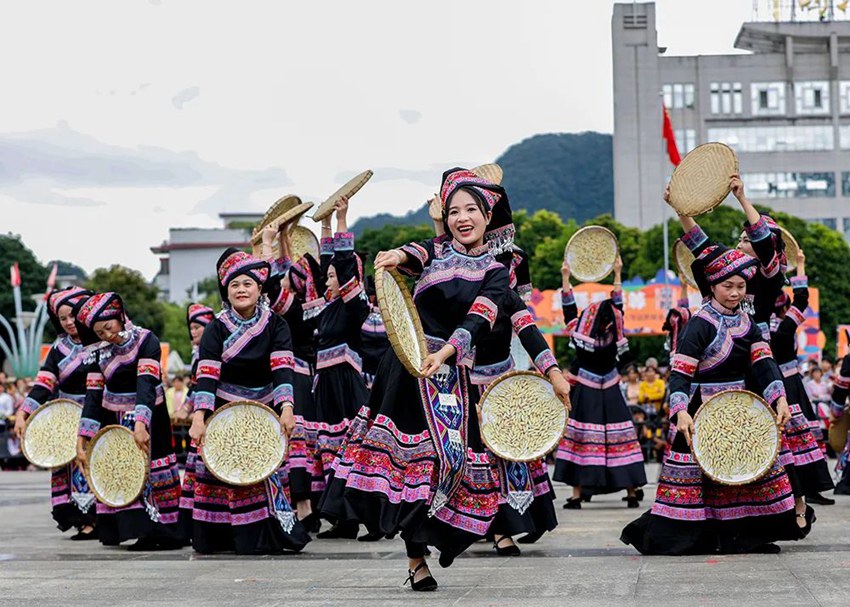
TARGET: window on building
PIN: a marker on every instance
(844, 136)
(847, 229)
(768, 98)
(845, 183)
(726, 98)
(790, 185)
(686, 140)
(678, 95)
(812, 97)
(776, 138)
(844, 96)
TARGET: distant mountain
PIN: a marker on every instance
(568, 173)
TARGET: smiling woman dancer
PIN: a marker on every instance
(245, 354)
(124, 386)
(720, 348)
(414, 461)
(63, 375)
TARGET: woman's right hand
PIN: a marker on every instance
(565, 271)
(388, 260)
(801, 263)
(198, 428)
(20, 424)
(685, 425)
(82, 459)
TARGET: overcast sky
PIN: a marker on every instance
(119, 120)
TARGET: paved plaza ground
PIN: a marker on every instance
(581, 563)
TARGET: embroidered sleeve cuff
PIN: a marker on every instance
(148, 366)
(679, 401)
(283, 395)
(94, 381)
(281, 266)
(759, 230)
(282, 359)
(485, 308)
(144, 414)
(29, 405)
(545, 361)
(795, 315)
(461, 339)
(327, 246)
(568, 298)
(841, 382)
(284, 302)
(204, 401)
(683, 303)
(684, 364)
(209, 369)
(344, 241)
(774, 391)
(521, 320)
(88, 427)
(760, 350)
(417, 252)
(46, 380)
(800, 282)
(524, 292)
(694, 239)
(351, 290)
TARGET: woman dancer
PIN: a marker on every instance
(810, 467)
(295, 293)
(340, 390)
(422, 470)
(198, 317)
(124, 386)
(600, 452)
(63, 375)
(245, 353)
(721, 348)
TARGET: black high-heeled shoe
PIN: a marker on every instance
(426, 584)
(573, 503)
(632, 502)
(371, 537)
(84, 537)
(512, 550)
(312, 523)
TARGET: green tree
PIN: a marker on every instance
(140, 297)
(176, 332)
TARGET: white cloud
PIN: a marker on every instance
(185, 96)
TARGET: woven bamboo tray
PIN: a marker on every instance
(303, 241)
(257, 455)
(591, 253)
(45, 444)
(285, 214)
(684, 258)
(404, 328)
(348, 190)
(734, 441)
(701, 181)
(792, 249)
(520, 417)
(491, 172)
(101, 449)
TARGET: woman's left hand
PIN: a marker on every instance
(287, 422)
(783, 413)
(561, 387)
(142, 438)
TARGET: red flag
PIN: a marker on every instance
(670, 137)
(51, 280)
(15, 275)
